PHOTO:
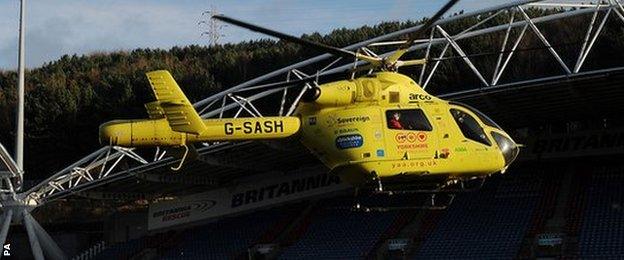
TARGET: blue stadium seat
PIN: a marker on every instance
(486, 224)
(338, 233)
(602, 229)
(227, 238)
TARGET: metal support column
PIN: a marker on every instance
(53, 251)
(32, 236)
(6, 223)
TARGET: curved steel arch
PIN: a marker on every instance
(110, 164)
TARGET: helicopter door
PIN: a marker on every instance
(444, 146)
(409, 134)
(474, 143)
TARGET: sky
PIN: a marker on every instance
(58, 27)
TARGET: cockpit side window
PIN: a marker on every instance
(407, 119)
(470, 127)
(485, 119)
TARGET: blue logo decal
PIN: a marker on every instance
(380, 153)
(349, 141)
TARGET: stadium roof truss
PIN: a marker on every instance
(110, 164)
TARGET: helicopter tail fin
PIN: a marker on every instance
(172, 104)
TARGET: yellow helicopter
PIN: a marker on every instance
(380, 128)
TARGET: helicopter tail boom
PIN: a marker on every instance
(174, 122)
(158, 132)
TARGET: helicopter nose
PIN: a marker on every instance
(508, 147)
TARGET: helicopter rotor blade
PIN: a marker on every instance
(388, 62)
(394, 57)
(402, 63)
(397, 64)
(281, 84)
(307, 43)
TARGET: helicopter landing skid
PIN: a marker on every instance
(450, 188)
(431, 205)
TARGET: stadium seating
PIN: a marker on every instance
(121, 250)
(132, 247)
(574, 213)
(544, 209)
(602, 229)
(486, 224)
(339, 233)
(498, 221)
(230, 237)
(224, 239)
(427, 226)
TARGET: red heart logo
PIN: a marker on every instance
(422, 137)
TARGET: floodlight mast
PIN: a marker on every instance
(19, 142)
(14, 207)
